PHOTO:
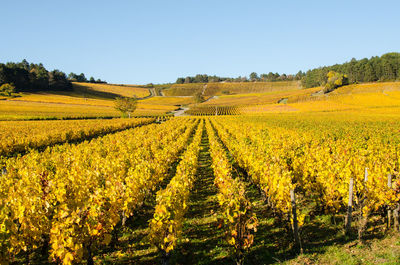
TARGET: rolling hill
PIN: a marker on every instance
(213, 89)
(89, 100)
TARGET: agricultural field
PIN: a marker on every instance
(20, 136)
(313, 179)
(235, 189)
(375, 97)
(273, 97)
(108, 90)
(28, 110)
(279, 98)
(168, 100)
(25, 110)
(187, 133)
(371, 96)
(79, 104)
(213, 89)
(203, 110)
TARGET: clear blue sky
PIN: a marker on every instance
(139, 42)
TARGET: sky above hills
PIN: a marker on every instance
(138, 42)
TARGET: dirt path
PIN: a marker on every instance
(180, 112)
(153, 93)
(210, 98)
(204, 89)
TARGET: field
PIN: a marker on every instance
(243, 98)
(262, 98)
(107, 90)
(26, 110)
(289, 176)
(168, 101)
(85, 101)
(20, 136)
(212, 89)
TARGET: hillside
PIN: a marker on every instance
(86, 100)
(213, 89)
(297, 138)
(109, 90)
(370, 96)
(96, 100)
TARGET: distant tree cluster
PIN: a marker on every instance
(82, 78)
(253, 77)
(24, 76)
(200, 79)
(272, 77)
(384, 68)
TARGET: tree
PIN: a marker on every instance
(92, 80)
(81, 78)
(7, 89)
(272, 77)
(126, 105)
(200, 78)
(254, 76)
(369, 73)
(188, 80)
(180, 80)
(72, 77)
(335, 80)
(25, 64)
(299, 75)
(39, 77)
(58, 81)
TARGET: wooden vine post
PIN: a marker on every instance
(349, 207)
(363, 217)
(295, 224)
(396, 217)
(396, 214)
(389, 213)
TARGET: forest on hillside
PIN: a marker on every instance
(383, 68)
(25, 76)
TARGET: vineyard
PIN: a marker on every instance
(104, 90)
(20, 136)
(195, 133)
(85, 101)
(213, 110)
(212, 89)
(211, 190)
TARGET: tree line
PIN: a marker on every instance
(30, 77)
(26, 76)
(82, 78)
(384, 68)
(253, 77)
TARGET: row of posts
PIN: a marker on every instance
(391, 213)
